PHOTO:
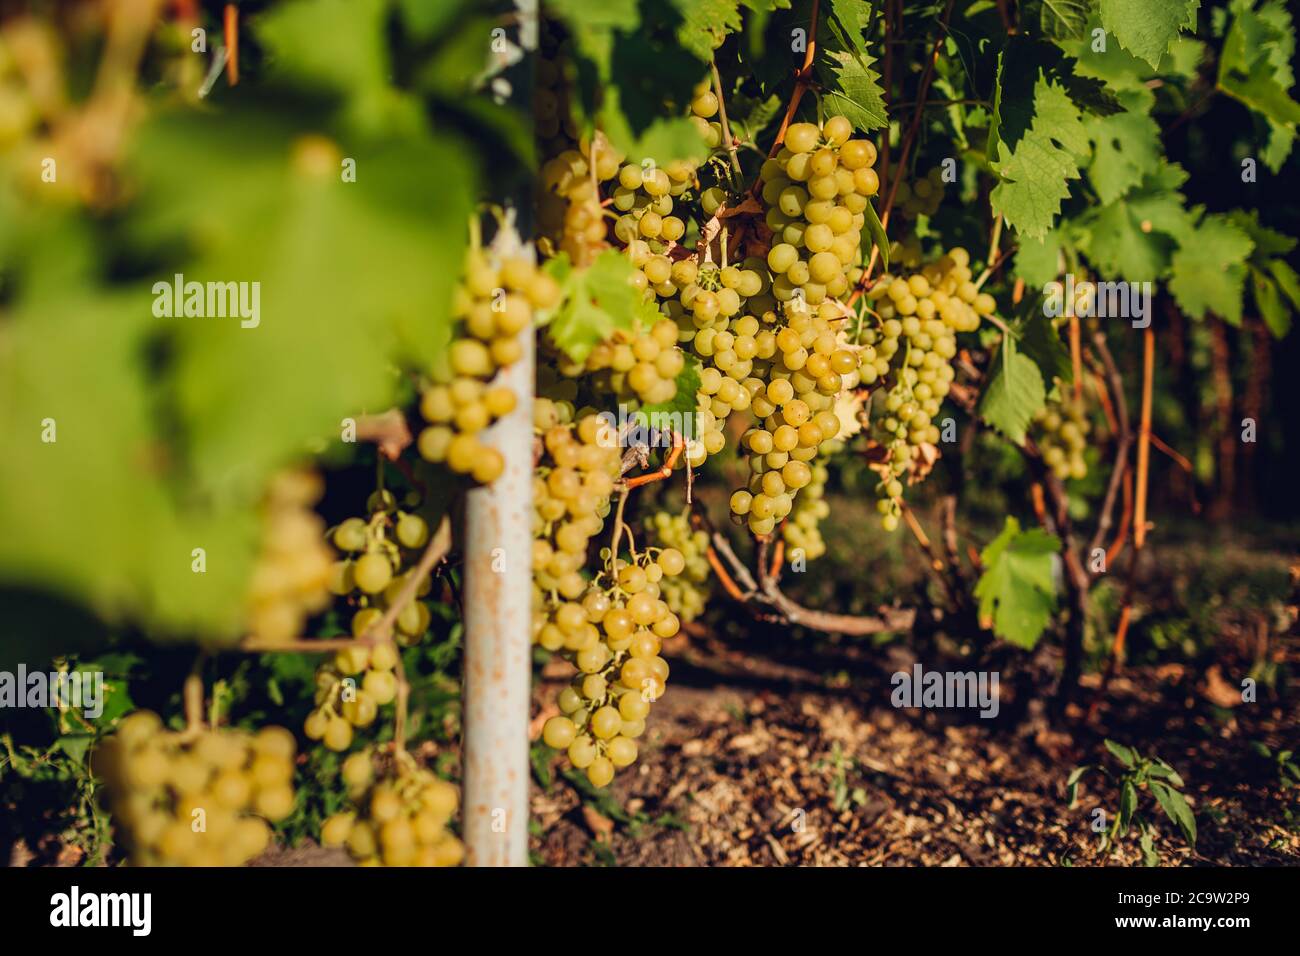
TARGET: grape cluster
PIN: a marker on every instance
(570, 496)
(569, 210)
(613, 635)
(1061, 430)
(492, 306)
(397, 819)
(381, 554)
(195, 799)
(685, 593)
(793, 399)
(291, 577)
(639, 362)
(920, 198)
(816, 189)
(803, 530)
(644, 199)
(910, 348)
(711, 306)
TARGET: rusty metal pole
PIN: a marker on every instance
(498, 629)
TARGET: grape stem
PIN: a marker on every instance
(726, 127)
(381, 631)
(801, 83)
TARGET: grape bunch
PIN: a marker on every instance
(195, 799)
(793, 399)
(381, 554)
(291, 577)
(613, 635)
(644, 199)
(377, 550)
(685, 593)
(492, 306)
(711, 307)
(816, 189)
(641, 363)
(910, 349)
(399, 818)
(1061, 430)
(570, 212)
(803, 531)
(570, 496)
(922, 197)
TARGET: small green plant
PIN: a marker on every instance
(841, 796)
(1139, 773)
(1283, 762)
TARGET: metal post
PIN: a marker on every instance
(498, 637)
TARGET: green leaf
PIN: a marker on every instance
(1116, 242)
(1209, 270)
(1016, 592)
(1072, 784)
(706, 23)
(1040, 341)
(1176, 809)
(1125, 755)
(1059, 19)
(335, 44)
(74, 745)
(1255, 68)
(1038, 261)
(1260, 90)
(1287, 280)
(1268, 242)
(334, 261)
(1268, 299)
(685, 401)
(596, 302)
(1036, 169)
(1147, 28)
(596, 14)
(843, 66)
(1127, 806)
(424, 18)
(1014, 393)
(1162, 771)
(875, 230)
(1148, 846)
(1126, 146)
(666, 140)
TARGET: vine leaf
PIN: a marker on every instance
(1038, 166)
(1147, 28)
(1255, 68)
(1059, 19)
(1125, 146)
(1014, 393)
(1017, 593)
(705, 24)
(595, 302)
(876, 231)
(1209, 269)
(844, 67)
(685, 401)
